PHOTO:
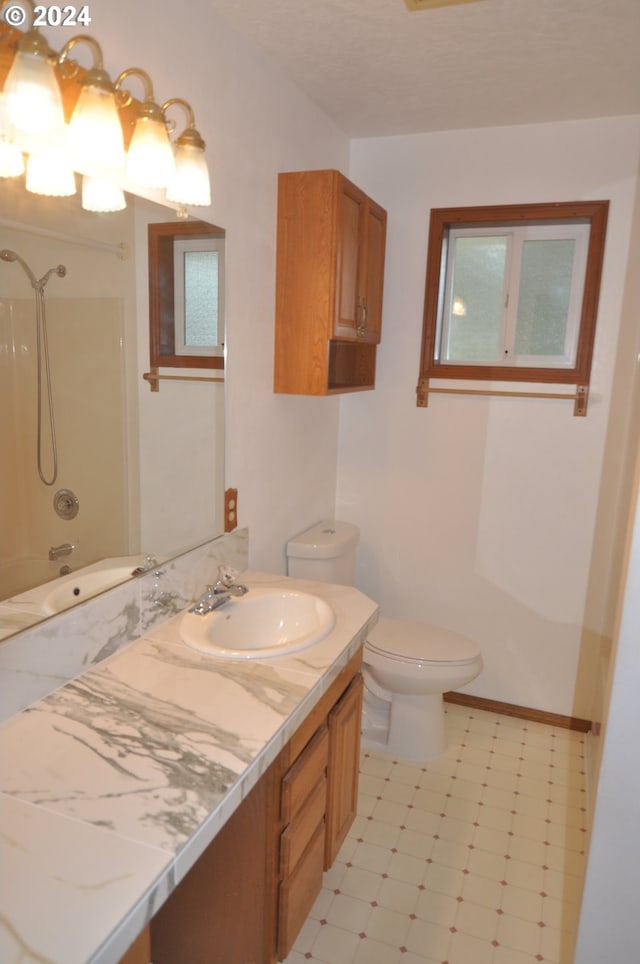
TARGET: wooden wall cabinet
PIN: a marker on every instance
(329, 283)
(247, 897)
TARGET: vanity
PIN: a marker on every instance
(168, 806)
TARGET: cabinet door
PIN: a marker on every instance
(344, 767)
(222, 911)
(351, 226)
(376, 222)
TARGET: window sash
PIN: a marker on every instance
(495, 343)
(182, 247)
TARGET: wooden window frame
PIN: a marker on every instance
(595, 213)
(161, 294)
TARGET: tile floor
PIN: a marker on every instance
(475, 858)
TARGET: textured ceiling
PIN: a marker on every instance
(378, 69)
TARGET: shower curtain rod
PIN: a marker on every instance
(121, 250)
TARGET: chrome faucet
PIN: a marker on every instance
(149, 563)
(216, 596)
(209, 601)
(63, 550)
(226, 582)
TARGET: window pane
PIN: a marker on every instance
(200, 298)
(476, 301)
(543, 304)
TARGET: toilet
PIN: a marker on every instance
(407, 666)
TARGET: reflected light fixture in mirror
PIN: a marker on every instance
(48, 173)
(101, 196)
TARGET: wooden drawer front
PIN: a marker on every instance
(296, 837)
(298, 893)
(301, 779)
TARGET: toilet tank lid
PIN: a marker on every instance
(326, 540)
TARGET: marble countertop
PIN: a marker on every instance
(115, 784)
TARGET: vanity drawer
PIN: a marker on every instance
(298, 893)
(301, 778)
(295, 839)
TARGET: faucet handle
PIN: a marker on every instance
(227, 575)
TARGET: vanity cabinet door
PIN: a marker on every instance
(140, 950)
(222, 912)
(344, 767)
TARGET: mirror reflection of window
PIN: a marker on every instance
(199, 292)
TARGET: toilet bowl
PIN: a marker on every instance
(407, 666)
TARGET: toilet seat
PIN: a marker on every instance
(403, 641)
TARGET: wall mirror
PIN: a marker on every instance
(135, 473)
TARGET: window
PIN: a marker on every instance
(512, 293)
(198, 296)
(186, 295)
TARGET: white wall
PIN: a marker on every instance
(479, 514)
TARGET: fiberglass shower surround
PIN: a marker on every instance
(42, 350)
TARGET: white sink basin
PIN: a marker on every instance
(80, 585)
(265, 622)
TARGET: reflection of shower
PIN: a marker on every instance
(42, 351)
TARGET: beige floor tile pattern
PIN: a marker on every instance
(474, 858)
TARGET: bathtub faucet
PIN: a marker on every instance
(64, 550)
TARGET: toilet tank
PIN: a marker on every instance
(326, 553)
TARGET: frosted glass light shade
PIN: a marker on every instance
(150, 160)
(11, 159)
(95, 142)
(190, 184)
(101, 196)
(48, 172)
(33, 103)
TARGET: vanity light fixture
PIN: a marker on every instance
(105, 119)
(150, 160)
(191, 184)
(33, 103)
(95, 140)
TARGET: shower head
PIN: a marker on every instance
(60, 270)
(7, 255)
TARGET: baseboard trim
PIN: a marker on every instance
(522, 712)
